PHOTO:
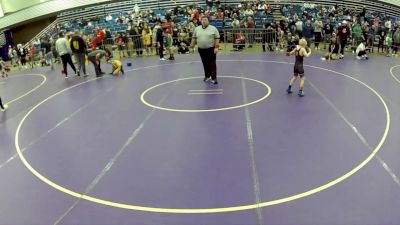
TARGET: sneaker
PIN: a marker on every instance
(289, 91)
(5, 108)
(206, 79)
(301, 93)
(358, 57)
(77, 74)
(214, 81)
(163, 59)
(85, 75)
(66, 76)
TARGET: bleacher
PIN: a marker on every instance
(158, 7)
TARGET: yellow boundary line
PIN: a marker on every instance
(207, 210)
(391, 73)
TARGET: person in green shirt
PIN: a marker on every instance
(396, 40)
(357, 32)
(389, 43)
(168, 44)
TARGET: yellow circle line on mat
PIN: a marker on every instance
(207, 210)
(204, 110)
(32, 90)
(391, 73)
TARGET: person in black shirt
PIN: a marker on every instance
(22, 52)
(160, 42)
(381, 34)
(328, 30)
(79, 48)
(300, 52)
(183, 46)
(47, 52)
(333, 53)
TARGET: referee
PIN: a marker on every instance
(206, 37)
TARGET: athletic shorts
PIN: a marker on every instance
(298, 69)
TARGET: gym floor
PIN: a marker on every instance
(159, 146)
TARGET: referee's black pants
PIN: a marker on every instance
(208, 58)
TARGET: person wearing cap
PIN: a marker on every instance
(343, 33)
(206, 37)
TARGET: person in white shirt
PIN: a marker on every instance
(64, 50)
(360, 51)
(248, 12)
(299, 27)
(109, 18)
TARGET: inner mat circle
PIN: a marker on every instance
(148, 91)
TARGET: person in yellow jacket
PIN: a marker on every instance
(147, 37)
(117, 67)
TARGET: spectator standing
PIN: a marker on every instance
(343, 33)
(64, 50)
(317, 33)
(79, 48)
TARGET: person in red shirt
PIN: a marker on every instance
(31, 54)
(94, 43)
(250, 29)
(100, 35)
(196, 14)
(121, 45)
(219, 15)
(343, 33)
(167, 25)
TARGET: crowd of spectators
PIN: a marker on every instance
(244, 25)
